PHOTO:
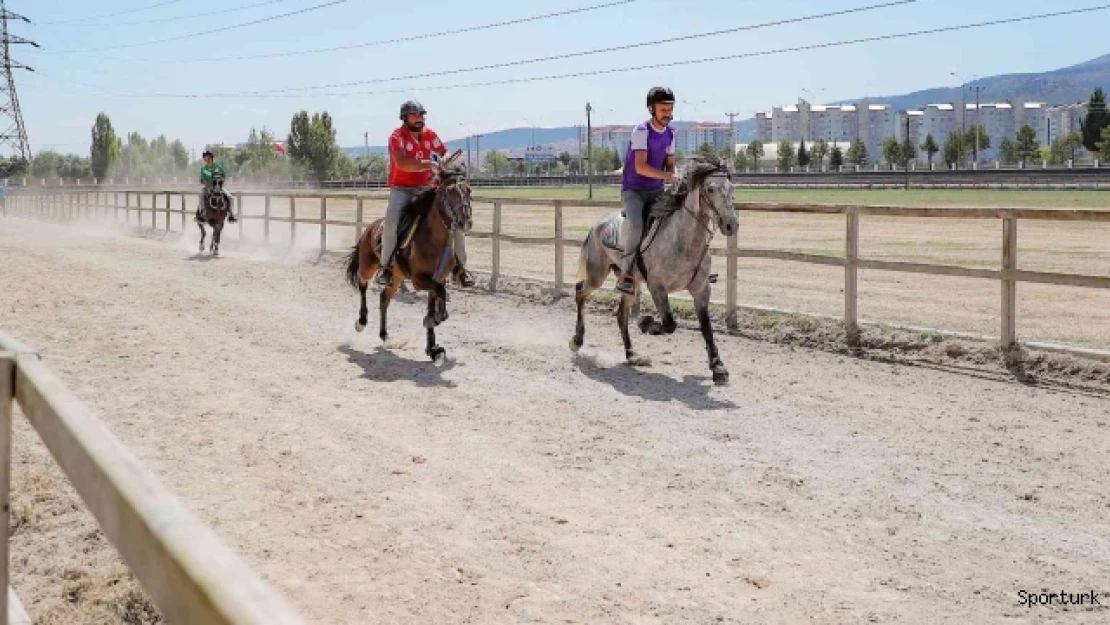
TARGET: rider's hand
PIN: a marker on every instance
(669, 176)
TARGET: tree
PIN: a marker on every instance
(740, 161)
(836, 158)
(857, 153)
(1095, 121)
(311, 143)
(954, 151)
(105, 146)
(819, 152)
(892, 152)
(372, 166)
(909, 151)
(179, 154)
(803, 154)
(565, 158)
(930, 148)
(1007, 152)
(969, 140)
(1063, 148)
(755, 151)
(786, 155)
(13, 167)
(496, 161)
(1104, 146)
(706, 150)
(1026, 144)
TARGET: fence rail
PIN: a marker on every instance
(70, 205)
(190, 575)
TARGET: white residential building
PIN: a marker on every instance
(789, 122)
(690, 138)
(876, 125)
(998, 121)
(1066, 119)
(834, 124)
(615, 138)
(1034, 115)
(763, 127)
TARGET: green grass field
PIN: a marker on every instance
(914, 197)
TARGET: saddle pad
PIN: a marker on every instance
(405, 231)
(611, 231)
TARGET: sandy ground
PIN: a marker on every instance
(516, 483)
(1057, 314)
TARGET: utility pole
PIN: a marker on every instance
(731, 134)
(579, 127)
(468, 152)
(366, 141)
(478, 149)
(977, 125)
(15, 133)
(589, 148)
(906, 152)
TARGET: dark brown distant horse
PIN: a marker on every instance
(214, 214)
(425, 255)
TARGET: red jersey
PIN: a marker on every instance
(421, 150)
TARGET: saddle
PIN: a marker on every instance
(406, 229)
(610, 233)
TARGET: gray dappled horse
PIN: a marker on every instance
(674, 256)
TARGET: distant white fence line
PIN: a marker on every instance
(76, 204)
(190, 575)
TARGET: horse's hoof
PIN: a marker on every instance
(645, 323)
(720, 376)
(638, 361)
(359, 326)
(437, 353)
(575, 345)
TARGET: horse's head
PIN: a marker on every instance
(453, 193)
(710, 183)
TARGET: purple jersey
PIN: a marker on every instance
(658, 145)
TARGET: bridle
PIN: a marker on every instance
(706, 221)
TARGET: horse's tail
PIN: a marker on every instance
(583, 255)
(352, 267)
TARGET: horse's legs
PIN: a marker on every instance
(662, 301)
(582, 292)
(592, 272)
(623, 311)
(385, 298)
(203, 234)
(435, 352)
(701, 307)
(216, 232)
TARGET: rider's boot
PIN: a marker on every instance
(464, 277)
(231, 218)
(626, 284)
(385, 274)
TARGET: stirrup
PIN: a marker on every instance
(626, 283)
(464, 278)
(385, 276)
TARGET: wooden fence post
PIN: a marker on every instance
(851, 312)
(323, 224)
(239, 208)
(127, 208)
(732, 321)
(167, 211)
(358, 220)
(495, 238)
(183, 210)
(292, 221)
(266, 221)
(558, 245)
(7, 397)
(1009, 287)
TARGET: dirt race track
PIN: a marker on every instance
(517, 483)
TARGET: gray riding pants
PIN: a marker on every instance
(398, 198)
(634, 202)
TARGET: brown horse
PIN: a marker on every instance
(214, 214)
(427, 259)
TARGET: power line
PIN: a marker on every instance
(383, 42)
(178, 18)
(639, 67)
(216, 30)
(579, 54)
(127, 12)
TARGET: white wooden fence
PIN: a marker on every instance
(190, 575)
(74, 204)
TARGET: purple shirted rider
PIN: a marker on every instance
(647, 165)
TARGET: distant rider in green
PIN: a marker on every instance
(207, 171)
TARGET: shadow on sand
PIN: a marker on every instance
(692, 390)
(383, 365)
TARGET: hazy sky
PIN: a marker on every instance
(76, 77)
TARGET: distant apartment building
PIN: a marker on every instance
(763, 127)
(615, 138)
(1066, 119)
(688, 139)
(1036, 116)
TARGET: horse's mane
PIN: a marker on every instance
(422, 201)
(698, 167)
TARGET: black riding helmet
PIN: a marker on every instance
(412, 107)
(660, 95)
(206, 154)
